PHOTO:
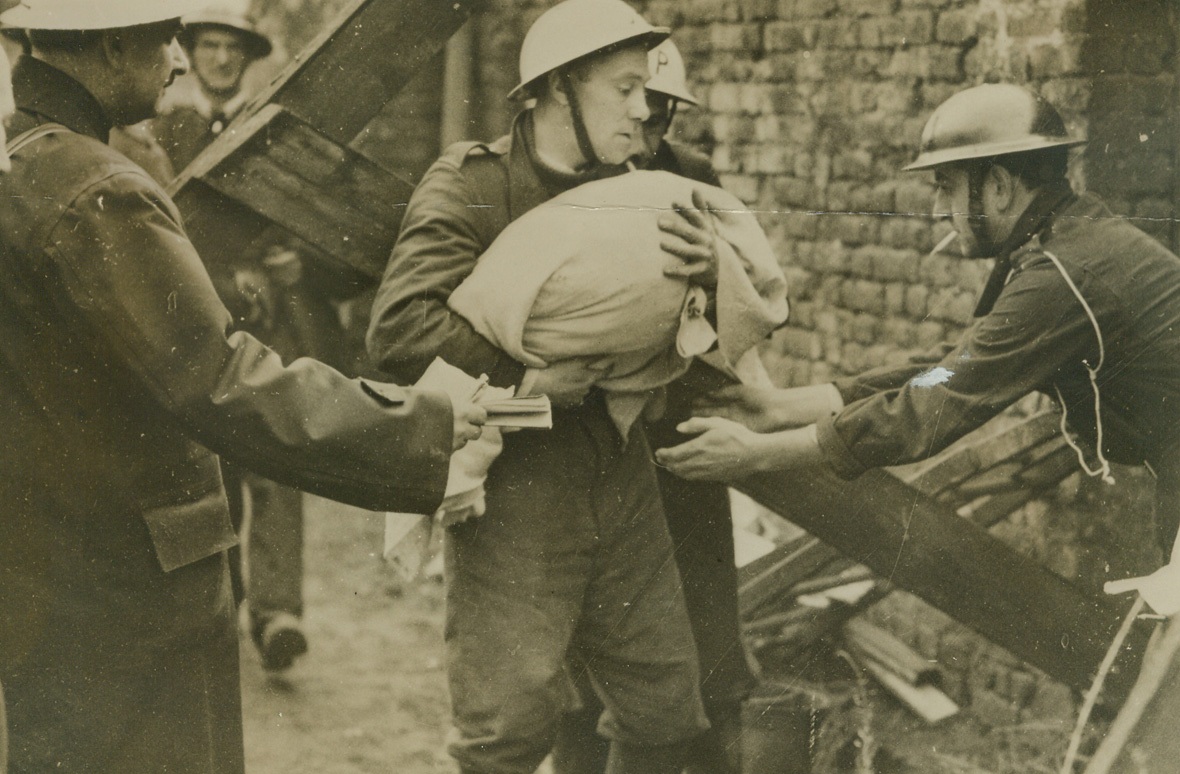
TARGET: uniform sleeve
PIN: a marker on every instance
(1036, 331)
(889, 377)
(128, 275)
(437, 248)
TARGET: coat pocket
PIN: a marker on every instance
(186, 532)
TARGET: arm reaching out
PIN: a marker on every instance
(725, 450)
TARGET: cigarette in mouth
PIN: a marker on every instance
(946, 241)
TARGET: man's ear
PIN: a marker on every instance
(1003, 187)
(556, 84)
(114, 47)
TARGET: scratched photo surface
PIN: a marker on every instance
(981, 608)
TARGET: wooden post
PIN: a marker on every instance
(922, 546)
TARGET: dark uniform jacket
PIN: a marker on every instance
(1033, 334)
(120, 385)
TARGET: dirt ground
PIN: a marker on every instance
(370, 696)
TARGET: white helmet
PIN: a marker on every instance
(668, 75)
(573, 29)
(94, 14)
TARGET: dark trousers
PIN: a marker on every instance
(572, 557)
(273, 563)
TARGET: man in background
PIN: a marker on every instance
(275, 295)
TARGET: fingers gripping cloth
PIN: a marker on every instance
(582, 275)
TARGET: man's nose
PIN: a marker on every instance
(179, 58)
(941, 211)
(637, 108)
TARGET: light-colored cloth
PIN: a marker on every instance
(408, 535)
(582, 275)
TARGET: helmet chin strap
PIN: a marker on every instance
(976, 220)
(580, 132)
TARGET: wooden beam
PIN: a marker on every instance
(922, 546)
(285, 159)
(283, 171)
(361, 61)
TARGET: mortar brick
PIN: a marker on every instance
(791, 36)
(860, 262)
(850, 229)
(915, 301)
(957, 26)
(894, 265)
(753, 10)
(732, 128)
(906, 233)
(799, 225)
(803, 315)
(725, 159)
(744, 187)
(1037, 22)
(799, 343)
(900, 333)
(863, 296)
(773, 159)
(914, 195)
(840, 32)
(894, 301)
(946, 62)
(868, 7)
(735, 37)
(880, 31)
(807, 9)
(865, 329)
(839, 196)
(724, 97)
(757, 98)
(930, 334)
(869, 64)
(792, 191)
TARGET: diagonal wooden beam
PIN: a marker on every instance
(922, 546)
(239, 185)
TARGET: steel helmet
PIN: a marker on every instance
(668, 74)
(990, 120)
(573, 29)
(258, 46)
(93, 14)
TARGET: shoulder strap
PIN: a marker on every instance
(36, 133)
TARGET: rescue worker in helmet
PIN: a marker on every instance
(572, 556)
(1081, 306)
(698, 513)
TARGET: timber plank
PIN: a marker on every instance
(922, 546)
(312, 184)
(286, 172)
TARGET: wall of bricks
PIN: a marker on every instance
(810, 109)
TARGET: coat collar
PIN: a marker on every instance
(49, 95)
(1036, 219)
(532, 182)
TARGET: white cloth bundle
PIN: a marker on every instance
(582, 275)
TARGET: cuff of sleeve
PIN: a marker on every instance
(836, 452)
(846, 386)
(506, 373)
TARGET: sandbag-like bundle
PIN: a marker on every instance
(583, 275)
